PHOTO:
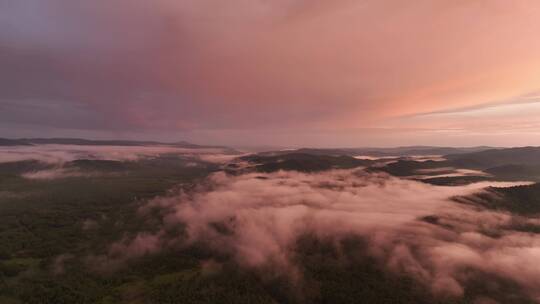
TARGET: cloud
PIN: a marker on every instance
(219, 158)
(446, 172)
(65, 153)
(89, 224)
(55, 173)
(410, 227)
(125, 250)
(254, 66)
(58, 265)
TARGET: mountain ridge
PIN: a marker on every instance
(96, 142)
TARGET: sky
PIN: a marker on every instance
(288, 73)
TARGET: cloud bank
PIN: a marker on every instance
(411, 228)
(65, 153)
(56, 173)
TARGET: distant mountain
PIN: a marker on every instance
(454, 180)
(516, 172)
(19, 167)
(88, 142)
(496, 157)
(409, 167)
(524, 200)
(501, 164)
(521, 199)
(303, 162)
(419, 150)
(13, 142)
(381, 152)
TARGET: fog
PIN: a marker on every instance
(257, 219)
(64, 153)
(56, 173)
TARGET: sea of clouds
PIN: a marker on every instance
(257, 219)
(53, 153)
(57, 155)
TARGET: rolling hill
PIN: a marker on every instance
(89, 142)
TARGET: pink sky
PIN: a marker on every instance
(287, 72)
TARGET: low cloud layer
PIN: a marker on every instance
(447, 172)
(65, 153)
(56, 173)
(410, 227)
